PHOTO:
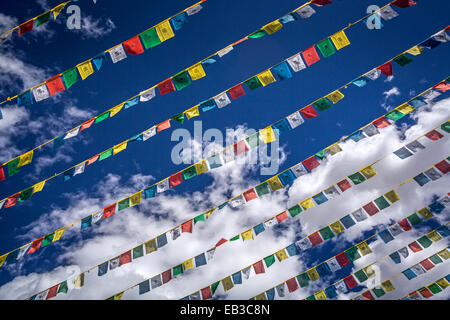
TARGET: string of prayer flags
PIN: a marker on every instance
(429, 290)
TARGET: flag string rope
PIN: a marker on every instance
(189, 113)
(56, 10)
(89, 60)
(368, 266)
(392, 195)
(57, 234)
(27, 157)
(443, 284)
(280, 257)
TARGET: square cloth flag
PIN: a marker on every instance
(133, 46)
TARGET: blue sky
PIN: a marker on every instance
(39, 55)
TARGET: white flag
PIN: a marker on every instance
(341, 287)
(441, 36)
(270, 223)
(388, 13)
(176, 233)
(149, 133)
(431, 95)
(228, 155)
(23, 250)
(304, 243)
(210, 254)
(370, 130)
(404, 252)
(299, 170)
(374, 74)
(418, 269)
(222, 100)
(114, 263)
(117, 53)
(97, 216)
(306, 12)
(72, 133)
(359, 215)
(296, 63)
(162, 186)
(225, 51)
(41, 93)
(445, 201)
(5, 37)
(295, 119)
(334, 265)
(79, 169)
(236, 202)
(395, 230)
(147, 95)
(281, 290)
(331, 192)
(195, 9)
(433, 174)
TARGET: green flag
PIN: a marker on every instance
(138, 252)
(214, 287)
(63, 287)
(270, 260)
(357, 178)
(181, 80)
(303, 280)
(189, 173)
(106, 154)
(378, 291)
(43, 18)
(253, 83)
(295, 210)
(257, 34)
(13, 167)
(253, 141)
(353, 254)
(361, 276)
(102, 117)
(47, 240)
(26, 194)
(123, 204)
(395, 115)
(425, 241)
(70, 77)
(446, 126)
(414, 219)
(177, 270)
(326, 47)
(180, 118)
(200, 217)
(262, 189)
(403, 59)
(150, 38)
(326, 233)
(381, 203)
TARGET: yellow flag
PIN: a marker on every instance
(120, 147)
(247, 235)
(388, 286)
(85, 69)
(364, 248)
(416, 50)
(333, 149)
(368, 172)
(58, 234)
(188, 264)
(57, 10)
(274, 183)
(434, 235)
(150, 246)
(79, 281)
(261, 296)
(196, 72)
(425, 213)
(337, 227)
(164, 31)
(227, 283)
(443, 283)
(201, 167)
(405, 108)
(26, 158)
(208, 213)
(444, 254)
(392, 196)
(335, 96)
(2, 259)
(116, 109)
(267, 135)
(308, 203)
(135, 199)
(38, 186)
(320, 295)
(272, 27)
(191, 113)
(118, 296)
(313, 275)
(266, 77)
(281, 255)
(340, 40)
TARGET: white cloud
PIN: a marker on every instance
(137, 224)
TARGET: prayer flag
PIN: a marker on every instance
(310, 55)
(133, 46)
(85, 69)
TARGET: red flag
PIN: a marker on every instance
(381, 123)
(342, 259)
(315, 238)
(52, 292)
(443, 166)
(415, 246)
(371, 208)
(259, 267)
(311, 163)
(26, 27)
(187, 226)
(240, 147)
(55, 85)
(386, 69)
(321, 3)
(443, 86)
(92, 160)
(11, 201)
(109, 211)
(310, 56)
(221, 242)
(236, 91)
(404, 223)
(292, 284)
(2, 174)
(427, 264)
(282, 216)
(87, 124)
(167, 276)
(166, 86)
(350, 282)
(367, 295)
(35, 245)
(206, 293)
(434, 135)
(176, 179)
(309, 112)
(125, 258)
(426, 293)
(163, 125)
(404, 3)
(133, 46)
(344, 185)
(250, 195)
